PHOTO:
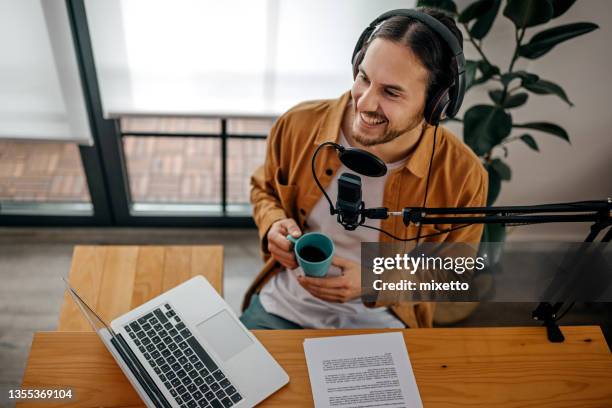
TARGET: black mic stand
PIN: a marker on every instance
(365, 163)
(598, 212)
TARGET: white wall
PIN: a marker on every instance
(560, 171)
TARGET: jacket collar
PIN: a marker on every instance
(417, 163)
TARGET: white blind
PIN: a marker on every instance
(40, 91)
(229, 58)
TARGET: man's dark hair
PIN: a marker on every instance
(429, 47)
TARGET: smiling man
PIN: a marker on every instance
(400, 72)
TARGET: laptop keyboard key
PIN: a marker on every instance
(181, 389)
(209, 380)
(198, 381)
(227, 402)
(194, 359)
(192, 388)
(176, 382)
(183, 345)
(159, 314)
(215, 403)
(142, 349)
(160, 361)
(185, 333)
(141, 334)
(218, 375)
(197, 395)
(165, 353)
(209, 395)
(156, 339)
(224, 383)
(155, 354)
(215, 387)
(208, 362)
(236, 397)
(170, 375)
(188, 366)
(183, 360)
(220, 394)
(172, 346)
(230, 390)
(150, 347)
(192, 404)
(146, 327)
(132, 335)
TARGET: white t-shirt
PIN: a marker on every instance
(283, 296)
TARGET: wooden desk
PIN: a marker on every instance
(115, 279)
(477, 367)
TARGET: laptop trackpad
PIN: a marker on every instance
(224, 335)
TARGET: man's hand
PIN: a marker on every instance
(278, 244)
(338, 288)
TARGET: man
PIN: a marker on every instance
(402, 65)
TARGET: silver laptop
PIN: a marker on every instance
(186, 348)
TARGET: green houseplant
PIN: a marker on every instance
(488, 128)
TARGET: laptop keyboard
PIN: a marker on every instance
(185, 368)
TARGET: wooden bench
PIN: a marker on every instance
(115, 279)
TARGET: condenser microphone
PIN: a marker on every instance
(349, 204)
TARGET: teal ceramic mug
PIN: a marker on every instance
(314, 252)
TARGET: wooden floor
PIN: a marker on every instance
(161, 169)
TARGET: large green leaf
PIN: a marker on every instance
(484, 126)
(444, 5)
(496, 96)
(530, 141)
(545, 127)
(528, 13)
(526, 77)
(561, 6)
(484, 12)
(516, 100)
(546, 40)
(502, 169)
(544, 87)
(510, 101)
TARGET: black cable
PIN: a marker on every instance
(417, 237)
(314, 173)
(433, 150)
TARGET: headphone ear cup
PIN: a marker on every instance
(436, 107)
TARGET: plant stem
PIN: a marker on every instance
(475, 44)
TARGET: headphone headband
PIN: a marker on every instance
(457, 89)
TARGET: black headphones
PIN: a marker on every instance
(446, 102)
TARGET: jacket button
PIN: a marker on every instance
(302, 211)
(329, 172)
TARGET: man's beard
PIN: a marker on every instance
(388, 136)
